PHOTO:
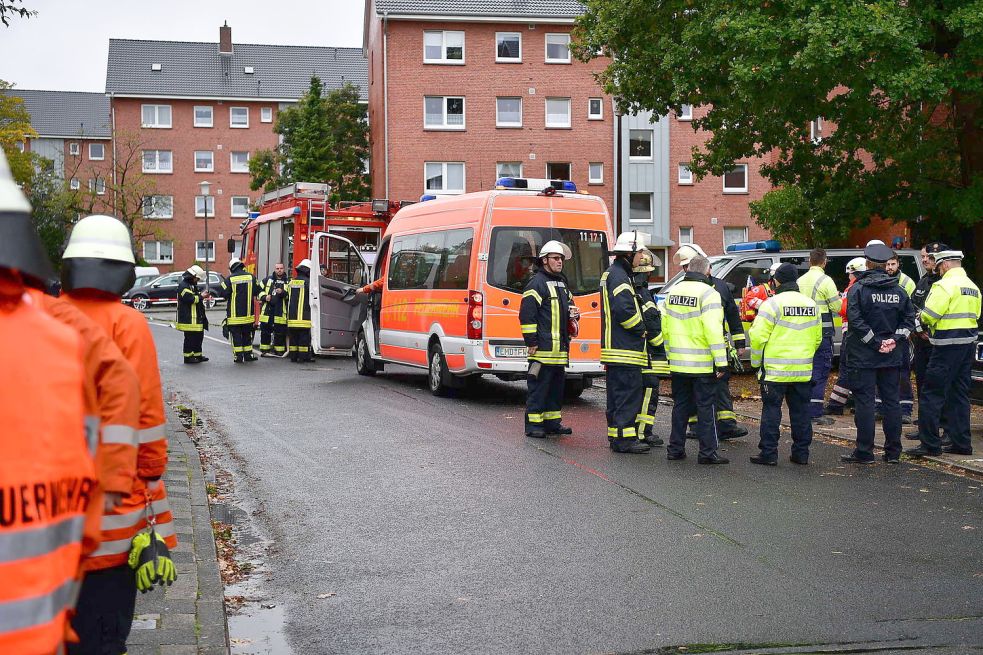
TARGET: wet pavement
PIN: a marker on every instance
(389, 521)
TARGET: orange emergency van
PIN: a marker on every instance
(453, 271)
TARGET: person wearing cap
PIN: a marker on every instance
(821, 288)
(893, 269)
(191, 318)
(623, 348)
(273, 313)
(951, 314)
(784, 339)
(921, 346)
(299, 314)
(544, 316)
(240, 289)
(840, 395)
(880, 314)
(755, 295)
(658, 366)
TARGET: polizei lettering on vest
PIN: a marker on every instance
(969, 292)
(798, 311)
(892, 298)
(683, 301)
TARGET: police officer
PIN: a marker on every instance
(273, 314)
(880, 314)
(191, 318)
(658, 366)
(907, 285)
(693, 328)
(922, 347)
(240, 289)
(784, 338)
(840, 395)
(299, 314)
(623, 344)
(544, 314)
(821, 288)
(951, 314)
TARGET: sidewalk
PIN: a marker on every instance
(187, 618)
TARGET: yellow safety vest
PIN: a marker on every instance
(693, 328)
(784, 337)
(952, 310)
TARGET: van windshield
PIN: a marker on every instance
(511, 260)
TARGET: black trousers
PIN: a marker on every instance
(192, 344)
(624, 396)
(273, 337)
(885, 380)
(724, 404)
(796, 395)
(241, 337)
(300, 345)
(945, 392)
(650, 402)
(104, 611)
(923, 351)
(689, 392)
(544, 401)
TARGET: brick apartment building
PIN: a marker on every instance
(464, 91)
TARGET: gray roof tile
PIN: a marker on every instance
(510, 8)
(66, 113)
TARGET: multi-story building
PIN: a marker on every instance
(187, 112)
(462, 92)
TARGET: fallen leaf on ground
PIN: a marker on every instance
(327, 595)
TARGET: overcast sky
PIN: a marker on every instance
(64, 47)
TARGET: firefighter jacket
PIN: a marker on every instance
(906, 283)
(129, 331)
(693, 327)
(655, 343)
(877, 309)
(732, 315)
(952, 310)
(821, 288)
(544, 317)
(753, 298)
(47, 474)
(622, 327)
(274, 297)
(299, 305)
(190, 307)
(240, 289)
(785, 336)
(844, 304)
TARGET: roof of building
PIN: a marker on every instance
(66, 113)
(482, 8)
(197, 70)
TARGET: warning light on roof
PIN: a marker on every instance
(534, 184)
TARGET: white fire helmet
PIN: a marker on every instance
(773, 268)
(632, 241)
(305, 264)
(686, 253)
(100, 237)
(856, 265)
(875, 242)
(234, 261)
(197, 272)
(555, 248)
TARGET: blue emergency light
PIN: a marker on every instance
(534, 184)
(427, 196)
(771, 245)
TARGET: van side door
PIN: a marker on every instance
(336, 313)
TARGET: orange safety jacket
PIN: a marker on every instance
(129, 330)
(753, 299)
(47, 475)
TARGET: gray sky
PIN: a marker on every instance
(64, 47)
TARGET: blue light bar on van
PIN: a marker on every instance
(427, 196)
(771, 245)
(534, 184)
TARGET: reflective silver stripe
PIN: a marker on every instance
(816, 400)
(117, 521)
(92, 432)
(780, 360)
(771, 318)
(681, 315)
(712, 306)
(951, 341)
(121, 434)
(827, 323)
(718, 346)
(707, 294)
(756, 353)
(688, 351)
(907, 402)
(121, 546)
(968, 315)
(797, 326)
(786, 374)
(155, 433)
(38, 610)
(867, 337)
(903, 332)
(928, 311)
(690, 363)
(21, 544)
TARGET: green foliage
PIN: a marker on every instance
(15, 126)
(52, 210)
(324, 139)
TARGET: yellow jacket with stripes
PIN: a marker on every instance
(693, 327)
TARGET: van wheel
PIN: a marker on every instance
(364, 364)
(440, 378)
(573, 389)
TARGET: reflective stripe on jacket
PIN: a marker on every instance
(274, 304)
(784, 337)
(622, 327)
(906, 283)
(544, 318)
(820, 287)
(190, 310)
(952, 310)
(240, 290)
(299, 307)
(655, 342)
(693, 327)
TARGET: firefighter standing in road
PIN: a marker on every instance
(240, 290)
(658, 366)
(544, 315)
(784, 339)
(951, 314)
(821, 288)
(273, 314)
(191, 318)
(840, 394)
(299, 314)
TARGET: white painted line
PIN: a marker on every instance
(171, 325)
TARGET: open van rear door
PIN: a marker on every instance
(336, 314)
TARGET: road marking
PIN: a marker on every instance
(171, 325)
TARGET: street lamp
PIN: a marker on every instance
(205, 188)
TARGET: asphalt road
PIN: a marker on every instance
(442, 529)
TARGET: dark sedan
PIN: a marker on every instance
(976, 388)
(162, 290)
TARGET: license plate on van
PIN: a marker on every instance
(511, 351)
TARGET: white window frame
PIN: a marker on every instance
(444, 125)
(648, 157)
(508, 60)
(211, 116)
(546, 50)
(816, 130)
(210, 203)
(157, 123)
(687, 239)
(74, 184)
(684, 175)
(157, 170)
(559, 163)
(154, 216)
(266, 114)
(93, 145)
(232, 207)
(598, 116)
(444, 176)
(498, 169)
(74, 150)
(157, 259)
(549, 125)
(685, 113)
(94, 186)
(232, 123)
(443, 48)
(651, 208)
(723, 180)
(590, 173)
(232, 168)
(723, 234)
(498, 121)
(207, 245)
(211, 166)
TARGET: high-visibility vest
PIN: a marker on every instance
(299, 307)
(784, 337)
(190, 309)
(544, 318)
(820, 287)
(239, 290)
(622, 327)
(47, 477)
(693, 327)
(952, 310)
(906, 283)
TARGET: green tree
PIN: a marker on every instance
(53, 210)
(15, 127)
(325, 138)
(897, 84)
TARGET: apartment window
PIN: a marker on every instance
(816, 130)
(239, 162)
(205, 251)
(508, 169)
(97, 186)
(155, 116)
(640, 207)
(74, 185)
(558, 170)
(200, 206)
(158, 252)
(240, 206)
(239, 117)
(97, 151)
(557, 48)
(640, 144)
(508, 112)
(204, 161)
(158, 207)
(734, 235)
(685, 235)
(19, 145)
(157, 161)
(443, 47)
(508, 47)
(204, 116)
(266, 115)
(443, 112)
(735, 180)
(595, 172)
(595, 109)
(558, 112)
(444, 176)
(685, 174)
(73, 149)
(685, 113)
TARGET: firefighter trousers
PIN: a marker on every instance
(945, 392)
(192, 345)
(544, 401)
(650, 402)
(624, 401)
(885, 382)
(241, 337)
(273, 337)
(724, 403)
(104, 611)
(300, 345)
(796, 396)
(822, 363)
(691, 392)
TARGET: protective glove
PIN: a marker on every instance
(151, 559)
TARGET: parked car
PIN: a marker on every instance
(976, 388)
(162, 290)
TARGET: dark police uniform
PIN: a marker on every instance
(658, 366)
(191, 319)
(240, 289)
(273, 315)
(299, 316)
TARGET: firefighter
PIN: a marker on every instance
(623, 349)
(544, 315)
(97, 268)
(240, 289)
(784, 339)
(299, 314)
(921, 346)
(273, 314)
(191, 317)
(658, 366)
(840, 394)
(821, 288)
(754, 296)
(693, 327)
(43, 445)
(951, 315)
